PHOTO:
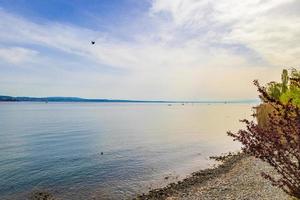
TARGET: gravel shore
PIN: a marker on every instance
(237, 178)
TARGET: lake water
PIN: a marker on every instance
(57, 146)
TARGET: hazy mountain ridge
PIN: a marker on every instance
(78, 99)
(63, 99)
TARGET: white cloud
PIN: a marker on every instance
(262, 26)
(197, 49)
(17, 55)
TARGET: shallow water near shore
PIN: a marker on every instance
(109, 150)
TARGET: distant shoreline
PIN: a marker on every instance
(77, 99)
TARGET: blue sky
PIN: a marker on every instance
(94, 14)
(146, 49)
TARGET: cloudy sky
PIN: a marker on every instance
(146, 49)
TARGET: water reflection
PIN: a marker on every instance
(57, 146)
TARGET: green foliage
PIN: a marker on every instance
(288, 89)
(292, 94)
(284, 80)
(275, 90)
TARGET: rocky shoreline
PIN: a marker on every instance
(238, 177)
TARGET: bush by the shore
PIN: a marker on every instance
(275, 137)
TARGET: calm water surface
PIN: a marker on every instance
(57, 146)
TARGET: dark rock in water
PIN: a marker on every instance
(41, 195)
(166, 177)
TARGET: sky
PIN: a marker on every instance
(146, 49)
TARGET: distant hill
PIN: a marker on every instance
(64, 99)
(77, 99)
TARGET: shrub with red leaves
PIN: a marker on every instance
(278, 143)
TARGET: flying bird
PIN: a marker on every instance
(93, 42)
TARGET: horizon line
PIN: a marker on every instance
(72, 99)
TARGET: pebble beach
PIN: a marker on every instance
(238, 177)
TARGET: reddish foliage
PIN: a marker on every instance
(278, 143)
